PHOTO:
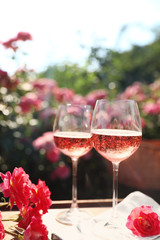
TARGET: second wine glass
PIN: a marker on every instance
(117, 134)
(73, 138)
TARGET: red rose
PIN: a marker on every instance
(41, 197)
(20, 188)
(143, 222)
(36, 230)
(27, 213)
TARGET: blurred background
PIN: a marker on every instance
(58, 51)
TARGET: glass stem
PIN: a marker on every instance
(115, 190)
(74, 183)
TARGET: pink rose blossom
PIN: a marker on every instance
(8, 82)
(134, 89)
(2, 231)
(61, 172)
(36, 230)
(24, 36)
(30, 101)
(11, 43)
(5, 185)
(46, 142)
(63, 94)
(93, 96)
(47, 113)
(143, 222)
(53, 155)
(44, 84)
(152, 108)
(79, 100)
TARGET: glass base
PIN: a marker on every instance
(73, 216)
(100, 229)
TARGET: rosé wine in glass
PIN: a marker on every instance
(72, 135)
(73, 144)
(116, 134)
(116, 145)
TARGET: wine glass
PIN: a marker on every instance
(116, 134)
(73, 138)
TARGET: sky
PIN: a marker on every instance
(61, 27)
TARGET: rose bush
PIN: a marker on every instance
(143, 222)
(27, 111)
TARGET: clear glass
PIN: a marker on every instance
(72, 135)
(117, 134)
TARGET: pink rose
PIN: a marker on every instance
(143, 222)
(29, 102)
(61, 172)
(53, 155)
(63, 94)
(152, 108)
(5, 185)
(8, 82)
(2, 231)
(36, 230)
(24, 36)
(46, 142)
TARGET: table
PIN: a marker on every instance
(95, 207)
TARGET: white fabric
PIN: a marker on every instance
(84, 231)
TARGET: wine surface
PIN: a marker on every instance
(73, 144)
(116, 145)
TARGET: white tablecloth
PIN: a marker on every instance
(84, 231)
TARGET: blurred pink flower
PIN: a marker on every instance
(53, 155)
(93, 96)
(47, 113)
(62, 172)
(46, 142)
(30, 101)
(63, 94)
(155, 86)
(8, 82)
(11, 43)
(79, 100)
(134, 91)
(44, 85)
(152, 108)
(24, 36)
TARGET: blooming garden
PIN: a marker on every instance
(28, 104)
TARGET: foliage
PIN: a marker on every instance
(28, 104)
(140, 64)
